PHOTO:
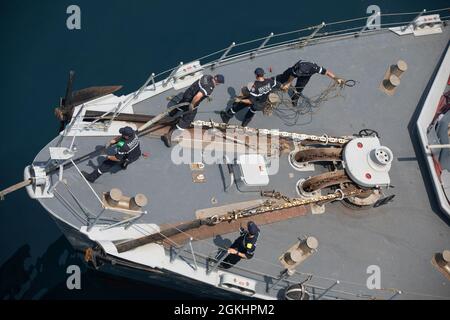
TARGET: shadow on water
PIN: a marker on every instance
(418, 149)
(14, 273)
(46, 277)
(31, 280)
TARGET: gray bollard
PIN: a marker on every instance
(138, 202)
(114, 196)
(399, 68)
(392, 82)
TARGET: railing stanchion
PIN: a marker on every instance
(150, 78)
(193, 253)
(368, 23)
(171, 74)
(286, 273)
(217, 264)
(153, 82)
(223, 55)
(328, 289)
(412, 21)
(312, 35)
(177, 252)
(397, 292)
(254, 53)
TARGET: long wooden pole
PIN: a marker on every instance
(15, 187)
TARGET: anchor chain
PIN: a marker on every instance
(269, 206)
(325, 139)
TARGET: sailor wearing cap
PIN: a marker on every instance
(195, 94)
(126, 149)
(257, 98)
(243, 247)
(302, 71)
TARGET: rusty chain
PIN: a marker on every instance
(269, 205)
(325, 139)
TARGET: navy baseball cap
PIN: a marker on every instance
(219, 78)
(252, 228)
(259, 72)
(126, 131)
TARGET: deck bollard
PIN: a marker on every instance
(398, 68)
(138, 202)
(113, 197)
(299, 252)
(392, 82)
(441, 261)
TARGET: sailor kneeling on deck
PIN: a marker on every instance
(127, 150)
(195, 94)
(243, 247)
(255, 98)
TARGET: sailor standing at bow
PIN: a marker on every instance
(126, 150)
(195, 94)
(256, 99)
(302, 71)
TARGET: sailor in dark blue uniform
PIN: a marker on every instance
(256, 99)
(302, 71)
(243, 247)
(195, 94)
(126, 150)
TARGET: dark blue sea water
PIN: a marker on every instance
(120, 42)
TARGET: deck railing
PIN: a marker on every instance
(318, 287)
(307, 36)
(325, 31)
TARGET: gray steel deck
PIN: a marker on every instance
(400, 238)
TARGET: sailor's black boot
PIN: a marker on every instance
(167, 138)
(226, 116)
(246, 121)
(248, 118)
(91, 177)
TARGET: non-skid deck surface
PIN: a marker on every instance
(401, 238)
